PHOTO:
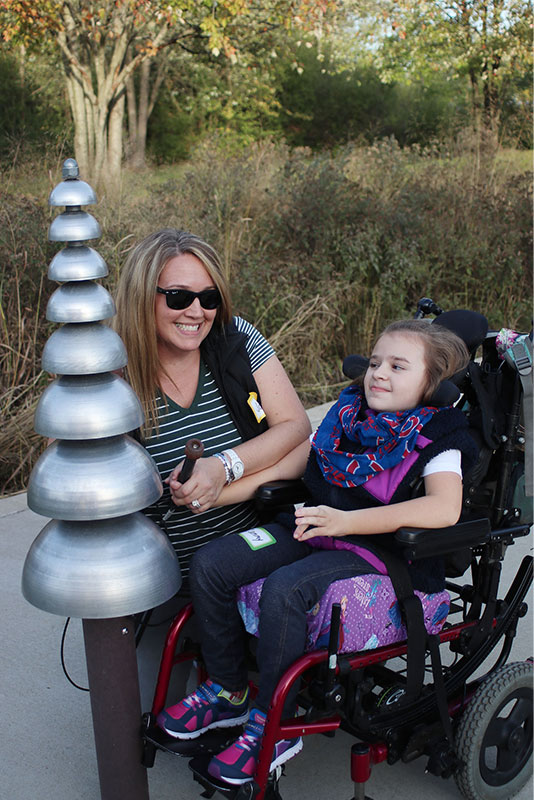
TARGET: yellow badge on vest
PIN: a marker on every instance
(257, 410)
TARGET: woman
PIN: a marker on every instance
(201, 373)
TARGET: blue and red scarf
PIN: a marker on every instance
(388, 436)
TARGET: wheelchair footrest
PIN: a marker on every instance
(199, 767)
(208, 744)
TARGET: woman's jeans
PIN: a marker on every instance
(297, 577)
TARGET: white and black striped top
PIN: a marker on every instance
(209, 420)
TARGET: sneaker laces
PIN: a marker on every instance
(200, 697)
(247, 741)
(251, 735)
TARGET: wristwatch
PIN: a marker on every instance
(235, 464)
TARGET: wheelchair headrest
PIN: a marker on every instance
(354, 365)
(470, 326)
(446, 394)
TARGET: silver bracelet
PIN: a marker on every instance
(227, 473)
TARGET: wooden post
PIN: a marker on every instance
(116, 707)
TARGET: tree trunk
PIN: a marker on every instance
(81, 130)
(114, 159)
(90, 117)
(131, 104)
(139, 152)
(22, 64)
(99, 72)
(491, 95)
(475, 99)
(100, 138)
(138, 127)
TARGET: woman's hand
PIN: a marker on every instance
(319, 521)
(203, 487)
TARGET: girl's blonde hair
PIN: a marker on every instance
(445, 352)
(135, 299)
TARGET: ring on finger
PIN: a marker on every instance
(195, 504)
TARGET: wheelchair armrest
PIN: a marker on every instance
(424, 542)
(280, 493)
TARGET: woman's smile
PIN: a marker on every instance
(188, 328)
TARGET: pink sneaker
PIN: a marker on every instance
(237, 764)
(208, 707)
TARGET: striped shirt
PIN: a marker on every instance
(207, 419)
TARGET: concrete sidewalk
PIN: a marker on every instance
(48, 752)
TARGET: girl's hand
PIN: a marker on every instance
(204, 486)
(319, 521)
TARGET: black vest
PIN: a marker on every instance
(226, 357)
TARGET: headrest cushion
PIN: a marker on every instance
(470, 326)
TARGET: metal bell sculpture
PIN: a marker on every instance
(91, 561)
(98, 558)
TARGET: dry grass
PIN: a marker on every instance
(21, 384)
(321, 252)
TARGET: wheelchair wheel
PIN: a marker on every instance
(494, 736)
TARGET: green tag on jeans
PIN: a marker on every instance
(256, 538)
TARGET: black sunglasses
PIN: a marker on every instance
(182, 298)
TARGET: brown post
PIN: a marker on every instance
(116, 707)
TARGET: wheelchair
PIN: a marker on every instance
(419, 695)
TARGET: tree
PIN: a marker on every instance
(235, 103)
(104, 44)
(486, 42)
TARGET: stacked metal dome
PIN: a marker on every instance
(98, 557)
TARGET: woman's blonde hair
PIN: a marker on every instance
(135, 300)
(445, 352)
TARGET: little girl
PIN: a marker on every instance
(366, 457)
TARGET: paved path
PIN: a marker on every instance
(47, 747)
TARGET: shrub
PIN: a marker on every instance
(34, 116)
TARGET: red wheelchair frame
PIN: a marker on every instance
(404, 732)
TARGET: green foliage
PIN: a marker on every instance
(322, 105)
(423, 112)
(170, 131)
(516, 114)
(487, 44)
(315, 101)
(307, 99)
(32, 111)
(203, 98)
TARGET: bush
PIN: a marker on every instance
(33, 113)
(321, 105)
(170, 132)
